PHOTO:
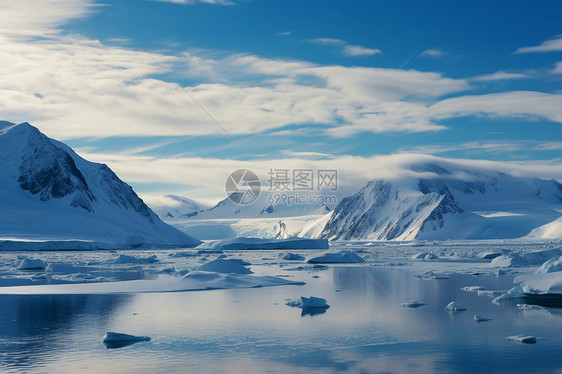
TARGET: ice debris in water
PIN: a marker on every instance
(224, 266)
(308, 302)
(472, 288)
(531, 307)
(526, 339)
(120, 340)
(454, 307)
(31, 264)
(478, 318)
(413, 304)
(337, 257)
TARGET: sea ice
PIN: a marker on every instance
(454, 307)
(473, 288)
(336, 257)
(478, 318)
(308, 302)
(31, 264)
(539, 257)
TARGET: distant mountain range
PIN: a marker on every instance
(49, 193)
(446, 202)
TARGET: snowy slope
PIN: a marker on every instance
(48, 192)
(436, 203)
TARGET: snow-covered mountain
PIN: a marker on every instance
(171, 207)
(48, 192)
(436, 203)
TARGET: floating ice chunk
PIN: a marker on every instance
(473, 288)
(509, 260)
(292, 257)
(478, 318)
(341, 257)
(551, 266)
(31, 264)
(168, 270)
(308, 302)
(431, 275)
(413, 304)
(120, 337)
(224, 266)
(119, 340)
(490, 293)
(125, 259)
(531, 307)
(425, 256)
(525, 339)
(454, 307)
(184, 254)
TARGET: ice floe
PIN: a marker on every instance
(224, 266)
(509, 260)
(291, 257)
(126, 259)
(425, 256)
(192, 281)
(341, 257)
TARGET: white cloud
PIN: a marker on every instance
(518, 104)
(353, 171)
(432, 53)
(327, 41)
(499, 75)
(357, 50)
(552, 45)
(557, 69)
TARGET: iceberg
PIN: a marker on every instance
(509, 260)
(425, 256)
(292, 257)
(342, 257)
(308, 302)
(454, 307)
(113, 340)
(551, 266)
(242, 243)
(31, 264)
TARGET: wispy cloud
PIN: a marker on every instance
(357, 50)
(557, 68)
(432, 53)
(346, 49)
(284, 33)
(552, 45)
(499, 75)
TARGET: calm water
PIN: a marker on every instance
(253, 331)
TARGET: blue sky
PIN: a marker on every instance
(152, 87)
